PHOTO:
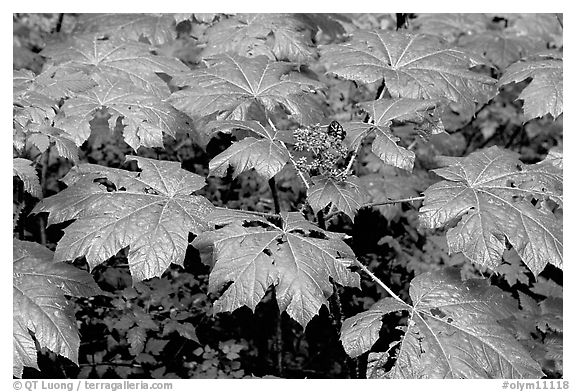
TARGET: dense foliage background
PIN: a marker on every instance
(167, 326)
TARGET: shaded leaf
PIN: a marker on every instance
(145, 117)
(454, 331)
(347, 196)
(451, 26)
(383, 112)
(152, 212)
(25, 170)
(298, 265)
(137, 339)
(544, 94)
(359, 333)
(329, 24)
(489, 193)
(40, 307)
(413, 66)
(276, 36)
(127, 60)
(230, 85)
(501, 48)
(265, 154)
(158, 29)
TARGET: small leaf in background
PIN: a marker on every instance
(230, 85)
(489, 194)
(25, 170)
(130, 61)
(40, 306)
(276, 36)
(453, 331)
(151, 211)
(157, 29)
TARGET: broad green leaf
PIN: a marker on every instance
(383, 112)
(451, 26)
(158, 29)
(144, 116)
(25, 170)
(412, 66)
(40, 306)
(265, 153)
(53, 82)
(276, 36)
(360, 332)
(453, 331)
(290, 258)
(127, 60)
(545, 93)
(347, 196)
(537, 26)
(151, 211)
(328, 24)
(501, 48)
(231, 84)
(489, 194)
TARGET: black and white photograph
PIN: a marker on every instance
(287, 196)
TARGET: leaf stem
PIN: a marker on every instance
(378, 281)
(272, 184)
(306, 184)
(382, 203)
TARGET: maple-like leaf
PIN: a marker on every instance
(412, 66)
(158, 29)
(130, 61)
(383, 112)
(265, 153)
(53, 82)
(25, 170)
(347, 196)
(490, 193)
(276, 36)
(453, 331)
(40, 308)
(545, 93)
(502, 48)
(231, 84)
(293, 260)
(359, 333)
(144, 116)
(451, 26)
(151, 211)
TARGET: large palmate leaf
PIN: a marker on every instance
(490, 194)
(158, 29)
(40, 310)
(383, 112)
(545, 93)
(453, 331)
(347, 196)
(128, 60)
(152, 212)
(412, 66)
(265, 153)
(298, 259)
(231, 84)
(276, 36)
(144, 116)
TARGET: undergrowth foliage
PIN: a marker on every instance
(336, 116)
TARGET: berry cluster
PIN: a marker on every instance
(328, 152)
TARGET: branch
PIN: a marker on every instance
(378, 281)
(306, 184)
(381, 203)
